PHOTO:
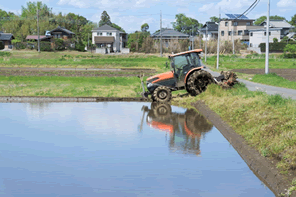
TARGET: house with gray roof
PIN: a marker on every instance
(168, 34)
(61, 32)
(209, 30)
(108, 39)
(6, 38)
(277, 29)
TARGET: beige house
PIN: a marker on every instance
(240, 27)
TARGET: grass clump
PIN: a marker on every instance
(274, 80)
(267, 122)
(5, 54)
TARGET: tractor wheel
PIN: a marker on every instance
(198, 82)
(161, 110)
(161, 94)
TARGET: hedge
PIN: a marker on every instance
(274, 47)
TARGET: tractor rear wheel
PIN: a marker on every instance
(161, 94)
(198, 82)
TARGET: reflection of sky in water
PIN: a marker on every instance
(96, 149)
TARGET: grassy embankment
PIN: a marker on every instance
(266, 122)
(256, 62)
(76, 86)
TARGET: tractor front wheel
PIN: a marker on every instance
(161, 94)
(198, 82)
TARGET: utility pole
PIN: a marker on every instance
(218, 44)
(38, 29)
(192, 36)
(206, 43)
(267, 40)
(160, 34)
(232, 38)
(87, 40)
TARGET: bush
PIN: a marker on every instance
(80, 46)
(45, 46)
(4, 53)
(274, 47)
(59, 44)
(290, 51)
(275, 40)
(1, 45)
(20, 45)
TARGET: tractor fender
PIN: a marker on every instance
(190, 72)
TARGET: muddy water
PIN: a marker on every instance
(117, 149)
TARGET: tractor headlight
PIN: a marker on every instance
(149, 85)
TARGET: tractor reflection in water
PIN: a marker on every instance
(185, 130)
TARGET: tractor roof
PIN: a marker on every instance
(182, 53)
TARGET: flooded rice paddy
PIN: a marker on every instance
(117, 149)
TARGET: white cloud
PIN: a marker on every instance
(206, 7)
(75, 3)
(286, 3)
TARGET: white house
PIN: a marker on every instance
(108, 39)
(278, 29)
(209, 30)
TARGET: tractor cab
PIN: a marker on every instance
(182, 63)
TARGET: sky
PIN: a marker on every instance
(131, 14)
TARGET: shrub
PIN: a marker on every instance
(59, 44)
(80, 46)
(1, 45)
(273, 47)
(4, 53)
(290, 51)
(275, 40)
(45, 46)
(20, 45)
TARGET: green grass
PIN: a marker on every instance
(274, 80)
(267, 122)
(236, 62)
(70, 86)
(76, 60)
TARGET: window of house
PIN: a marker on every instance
(229, 33)
(246, 32)
(248, 23)
(240, 32)
(234, 23)
(226, 23)
(251, 34)
(265, 33)
(269, 33)
(109, 33)
(99, 33)
(222, 33)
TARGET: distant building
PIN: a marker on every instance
(278, 29)
(6, 38)
(240, 27)
(210, 29)
(168, 35)
(107, 38)
(61, 32)
(35, 38)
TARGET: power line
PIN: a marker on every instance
(253, 7)
(246, 10)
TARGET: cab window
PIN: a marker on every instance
(196, 60)
(180, 61)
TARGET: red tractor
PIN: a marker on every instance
(187, 72)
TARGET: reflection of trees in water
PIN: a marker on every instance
(185, 129)
(37, 109)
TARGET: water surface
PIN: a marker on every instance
(117, 149)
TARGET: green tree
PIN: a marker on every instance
(185, 24)
(275, 40)
(144, 27)
(214, 19)
(105, 19)
(293, 20)
(261, 19)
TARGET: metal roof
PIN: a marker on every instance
(169, 33)
(192, 51)
(6, 36)
(212, 26)
(278, 24)
(104, 39)
(62, 29)
(35, 37)
(106, 28)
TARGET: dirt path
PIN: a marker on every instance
(285, 92)
(289, 74)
